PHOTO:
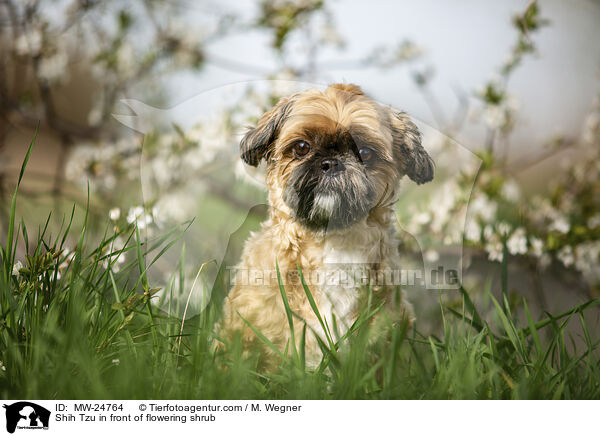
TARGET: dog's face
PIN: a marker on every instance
(334, 156)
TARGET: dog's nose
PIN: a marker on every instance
(331, 166)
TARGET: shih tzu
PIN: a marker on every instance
(334, 160)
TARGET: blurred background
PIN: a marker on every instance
(144, 102)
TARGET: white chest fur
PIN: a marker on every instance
(341, 277)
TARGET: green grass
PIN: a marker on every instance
(94, 334)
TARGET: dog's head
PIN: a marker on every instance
(335, 155)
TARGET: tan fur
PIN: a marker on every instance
(282, 239)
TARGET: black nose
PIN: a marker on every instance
(331, 166)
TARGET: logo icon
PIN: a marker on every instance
(26, 415)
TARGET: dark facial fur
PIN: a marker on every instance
(330, 188)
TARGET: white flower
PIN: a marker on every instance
(444, 200)
(145, 221)
(488, 232)
(53, 67)
(212, 136)
(29, 43)
(482, 207)
(560, 224)
(543, 207)
(472, 230)
(95, 115)
(537, 246)
(495, 251)
(416, 220)
(517, 243)
(408, 50)
(118, 244)
(175, 207)
(594, 221)
(134, 213)
(494, 116)
(504, 228)
(422, 218)
(115, 255)
(16, 267)
(511, 190)
(565, 255)
(432, 256)
(509, 60)
(114, 214)
(138, 215)
(587, 260)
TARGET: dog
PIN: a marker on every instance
(334, 160)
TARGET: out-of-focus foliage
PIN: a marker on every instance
(48, 47)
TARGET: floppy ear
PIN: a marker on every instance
(410, 155)
(256, 143)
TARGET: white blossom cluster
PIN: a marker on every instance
(561, 224)
(496, 114)
(102, 165)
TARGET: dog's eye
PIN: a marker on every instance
(301, 148)
(365, 154)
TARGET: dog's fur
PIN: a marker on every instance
(320, 221)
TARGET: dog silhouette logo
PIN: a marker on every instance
(26, 415)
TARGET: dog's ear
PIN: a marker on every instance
(410, 155)
(256, 143)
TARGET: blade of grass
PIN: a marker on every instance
(9, 261)
(187, 304)
(262, 337)
(510, 330)
(288, 312)
(504, 274)
(533, 330)
(315, 309)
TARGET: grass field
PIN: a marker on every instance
(93, 333)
